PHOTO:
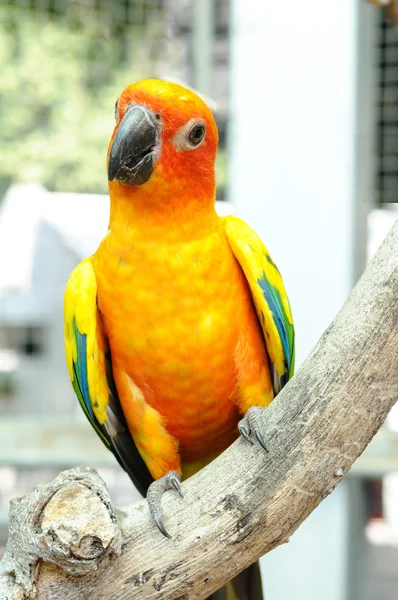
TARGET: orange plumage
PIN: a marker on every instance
(188, 353)
(179, 324)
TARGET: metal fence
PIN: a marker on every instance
(387, 126)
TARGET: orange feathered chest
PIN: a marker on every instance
(173, 308)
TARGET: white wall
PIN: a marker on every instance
(301, 160)
(293, 94)
(284, 578)
(42, 382)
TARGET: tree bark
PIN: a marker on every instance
(67, 542)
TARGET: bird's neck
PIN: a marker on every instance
(165, 216)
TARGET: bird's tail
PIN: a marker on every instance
(245, 586)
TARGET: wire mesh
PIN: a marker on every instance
(63, 64)
(387, 172)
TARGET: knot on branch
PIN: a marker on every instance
(69, 522)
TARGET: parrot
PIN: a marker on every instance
(178, 329)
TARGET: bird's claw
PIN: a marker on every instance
(244, 431)
(260, 439)
(250, 426)
(175, 481)
(171, 481)
(158, 518)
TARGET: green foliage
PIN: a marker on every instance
(58, 87)
(60, 77)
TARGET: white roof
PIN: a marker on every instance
(80, 219)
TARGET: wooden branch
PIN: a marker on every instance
(69, 522)
(65, 543)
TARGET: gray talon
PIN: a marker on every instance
(160, 525)
(171, 481)
(244, 431)
(260, 439)
(249, 427)
(175, 482)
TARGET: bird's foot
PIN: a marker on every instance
(171, 481)
(249, 426)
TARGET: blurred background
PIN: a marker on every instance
(306, 101)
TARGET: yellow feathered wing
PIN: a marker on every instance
(90, 369)
(269, 297)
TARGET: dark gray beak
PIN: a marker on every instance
(133, 152)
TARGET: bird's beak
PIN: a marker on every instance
(134, 148)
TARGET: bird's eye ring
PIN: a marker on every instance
(197, 134)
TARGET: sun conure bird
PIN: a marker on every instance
(179, 323)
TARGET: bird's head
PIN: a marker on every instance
(164, 142)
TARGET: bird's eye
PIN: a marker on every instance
(190, 135)
(117, 110)
(197, 134)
